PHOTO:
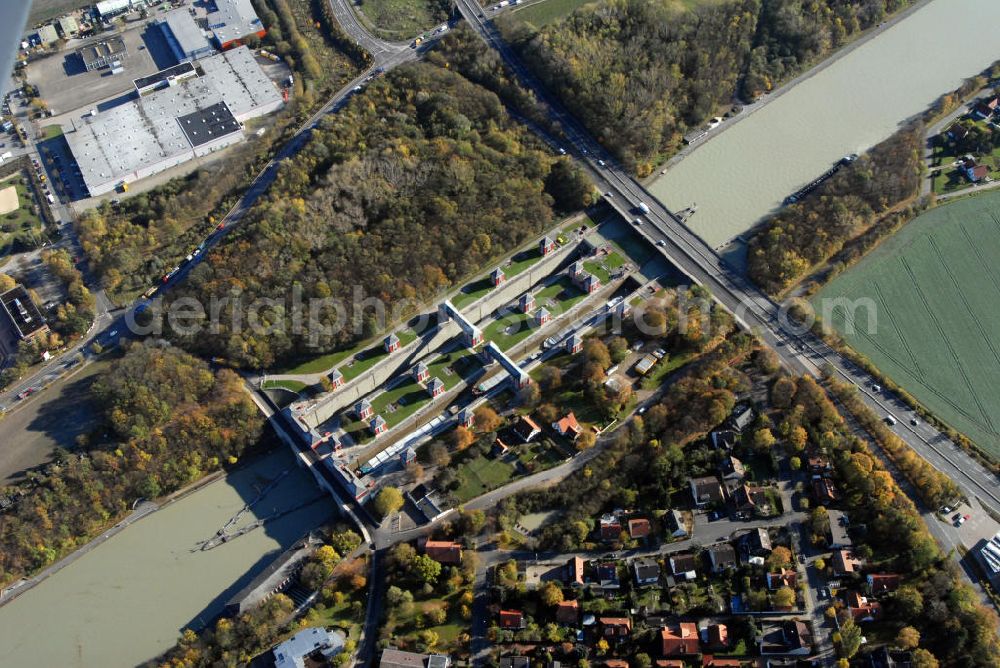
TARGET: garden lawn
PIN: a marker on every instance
(480, 475)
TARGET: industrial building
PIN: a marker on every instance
(164, 78)
(103, 53)
(23, 315)
(180, 117)
(233, 20)
(185, 38)
(68, 26)
(108, 8)
(46, 35)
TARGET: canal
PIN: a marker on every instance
(128, 600)
(746, 171)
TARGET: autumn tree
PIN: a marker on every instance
(388, 501)
(487, 419)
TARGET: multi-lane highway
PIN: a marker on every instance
(799, 350)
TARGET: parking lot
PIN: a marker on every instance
(65, 85)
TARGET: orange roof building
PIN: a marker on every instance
(680, 638)
(444, 551)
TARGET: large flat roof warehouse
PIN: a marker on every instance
(164, 78)
(232, 20)
(183, 35)
(138, 139)
(173, 124)
(245, 88)
(21, 311)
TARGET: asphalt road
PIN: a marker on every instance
(799, 350)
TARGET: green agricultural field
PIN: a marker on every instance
(935, 287)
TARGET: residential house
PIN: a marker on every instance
(421, 373)
(435, 387)
(741, 417)
(576, 271)
(499, 448)
(787, 577)
(732, 471)
(574, 343)
(607, 575)
(647, 572)
(568, 612)
(639, 527)
(363, 409)
(706, 491)
(790, 637)
(845, 563)
(498, 277)
(724, 439)
(976, 173)
(674, 523)
(884, 657)
(514, 662)
(882, 583)
(567, 426)
(839, 523)
(394, 658)
(684, 566)
(819, 465)
(377, 425)
(336, 379)
(526, 302)
(986, 107)
(862, 609)
(722, 556)
(669, 663)
(546, 246)
(615, 663)
(391, 343)
(610, 528)
(526, 429)
(957, 132)
(574, 572)
(717, 637)
(511, 619)
(407, 456)
(749, 500)
(309, 642)
(755, 543)
(824, 491)
(542, 317)
(467, 418)
(678, 639)
(615, 628)
(444, 551)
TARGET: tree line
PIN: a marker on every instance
(799, 236)
(167, 420)
(414, 185)
(640, 74)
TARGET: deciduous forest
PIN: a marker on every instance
(640, 74)
(418, 182)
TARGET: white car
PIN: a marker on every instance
(601, 163)
(661, 242)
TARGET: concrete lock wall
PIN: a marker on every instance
(514, 287)
(396, 364)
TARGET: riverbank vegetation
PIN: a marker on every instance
(415, 184)
(341, 584)
(640, 74)
(802, 235)
(168, 421)
(131, 245)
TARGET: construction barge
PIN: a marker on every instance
(819, 180)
